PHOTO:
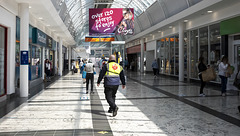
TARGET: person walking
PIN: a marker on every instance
(201, 67)
(222, 68)
(112, 73)
(89, 68)
(47, 70)
(155, 68)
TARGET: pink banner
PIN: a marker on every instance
(111, 21)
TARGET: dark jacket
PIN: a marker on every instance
(109, 81)
(201, 67)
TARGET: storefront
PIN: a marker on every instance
(50, 54)
(205, 42)
(3, 60)
(134, 56)
(35, 56)
(17, 53)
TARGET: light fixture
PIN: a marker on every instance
(185, 21)
(40, 18)
(209, 11)
(159, 31)
(30, 7)
(170, 27)
(197, 36)
(47, 25)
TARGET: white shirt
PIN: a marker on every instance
(48, 66)
(222, 69)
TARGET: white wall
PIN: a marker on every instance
(8, 20)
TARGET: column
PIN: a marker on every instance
(142, 56)
(43, 63)
(60, 67)
(181, 52)
(69, 57)
(24, 45)
(56, 59)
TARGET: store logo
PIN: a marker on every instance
(41, 38)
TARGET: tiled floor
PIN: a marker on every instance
(147, 107)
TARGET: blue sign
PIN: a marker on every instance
(24, 57)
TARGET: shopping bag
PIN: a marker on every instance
(209, 75)
(230, 71)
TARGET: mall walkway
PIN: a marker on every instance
(147, 107)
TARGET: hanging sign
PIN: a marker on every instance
(111, 21)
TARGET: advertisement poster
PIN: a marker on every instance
(111, 21)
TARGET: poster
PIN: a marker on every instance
(111, 21)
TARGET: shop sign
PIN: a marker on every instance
(49, 42)
(38, 37)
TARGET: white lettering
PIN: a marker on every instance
(41, 38)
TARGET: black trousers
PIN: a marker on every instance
(155, 71)
(202, 84)
(89, 76)
(110, 95)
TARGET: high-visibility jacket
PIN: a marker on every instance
(112, 74)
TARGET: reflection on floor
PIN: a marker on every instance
(147, 107)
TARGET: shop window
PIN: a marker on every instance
(172, 54)
(176, 55)
(215, 46)
(203, 37)
(194, 54)
(185, 42)
(36, 65)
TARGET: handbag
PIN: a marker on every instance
(209, 75)
(236, 82)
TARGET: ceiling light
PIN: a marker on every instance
(30, 7)
(159, 31)
(185, 21)
(40, 18)
(170, 27)
(47, 25)
(209, 11)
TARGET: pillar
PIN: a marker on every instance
(142, 56)
(60, 67)
(69, 57)
(24, 45)
(181, 51)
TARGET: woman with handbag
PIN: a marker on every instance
(201, 67)
(222, 67)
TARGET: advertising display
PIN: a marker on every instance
(111, 21)
(99, 39)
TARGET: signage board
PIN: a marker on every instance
(111, 21)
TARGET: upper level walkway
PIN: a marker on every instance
(148, 106)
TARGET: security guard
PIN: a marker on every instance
(112, 73)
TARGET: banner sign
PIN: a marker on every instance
(111, 21)
(99, 39)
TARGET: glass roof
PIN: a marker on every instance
(78, 11)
